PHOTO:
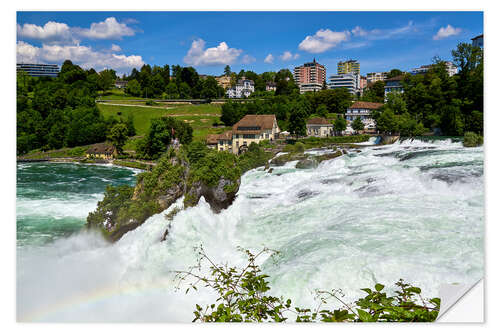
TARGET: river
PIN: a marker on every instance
(411, 210)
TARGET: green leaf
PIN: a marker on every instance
(364, 316)
(379, 287)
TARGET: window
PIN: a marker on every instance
(248, 136)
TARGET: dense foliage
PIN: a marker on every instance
(60, 112)
(244, 296)
(291, 111)
(160, 134)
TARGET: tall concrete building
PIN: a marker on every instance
(350, 81)
(349, 66)
(310, 76)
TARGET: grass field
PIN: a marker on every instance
(200, 117)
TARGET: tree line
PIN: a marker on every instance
(53, 113)
(436, 101)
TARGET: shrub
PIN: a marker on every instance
(244, 297)
(472, 139)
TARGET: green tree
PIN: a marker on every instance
(184, 91)
(393, 73)
(106, 79)
(227, 70)
(357, 124)
(118, 136)
(386, 121)
(297, 122)
(340, 125)
(171, 91)
(160, 134)
(133, 88)
(322, 110)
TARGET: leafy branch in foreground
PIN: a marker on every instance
(244, 297)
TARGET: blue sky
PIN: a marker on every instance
(258, 41)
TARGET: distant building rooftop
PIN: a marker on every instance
(366, 105)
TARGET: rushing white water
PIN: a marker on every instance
(412, 210)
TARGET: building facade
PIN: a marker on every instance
(319, 127)
(251, 128)
(450, 68)
(224, 81)
(310, 76)
(349, 66)
(376, 76)
(270, 86)
(362, 110)
(120, 84)
(393, 85)
(101, 151)
(37, 70)
(243, 88)
(351, 81)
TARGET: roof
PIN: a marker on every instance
(227, 135)
(101, 148)
(480, 36)
(318, 121)
(255, 123)
(243, 80)
(212, 138)
(366, 105)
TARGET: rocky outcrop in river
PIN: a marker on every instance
(125, 208)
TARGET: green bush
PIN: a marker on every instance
(244, 296)
(472, 139)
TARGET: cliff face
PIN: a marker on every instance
(215, 176)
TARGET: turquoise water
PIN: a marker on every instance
(54, 199)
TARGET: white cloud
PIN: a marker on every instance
(110, 28)
(84, 56)
(49, 33)
(358, 31)
(115, 48)
(269, 59)
(445, 32)
(287, 55)
(248, 59)
(219, 55)
(323, 40)
(56, 32)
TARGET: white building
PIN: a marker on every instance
(450, 68)
(243, 88)
(376, 76)
(351, 81)
(319, 127)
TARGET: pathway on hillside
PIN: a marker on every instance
(167, 108)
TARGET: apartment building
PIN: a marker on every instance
(450, 68)
(310, 76)
(376, 76)
(351, 81)
(393, 85)
(349, 66)
(37, 70)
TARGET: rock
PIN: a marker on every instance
(218, 197)
(344, 151)
(270, 170)
(308, 163)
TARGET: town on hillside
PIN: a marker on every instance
(245, 107)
